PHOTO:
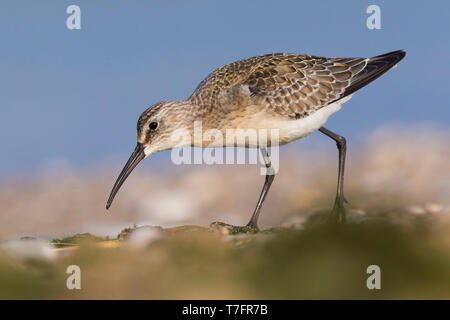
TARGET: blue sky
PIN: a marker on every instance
(77, 94)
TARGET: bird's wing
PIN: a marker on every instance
(291, 85)
(296, 86)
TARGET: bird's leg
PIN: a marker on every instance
(338, 213)
(270, 175)
(252, 225)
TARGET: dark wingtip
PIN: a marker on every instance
(399, 54)
(376, 66)
(396, 56)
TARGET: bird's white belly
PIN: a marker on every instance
(288, 130)
(291, 130)
(263, 128)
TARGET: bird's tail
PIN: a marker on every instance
(374, 68)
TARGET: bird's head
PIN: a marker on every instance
(163, 126)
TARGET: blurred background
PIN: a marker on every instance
(70, 100)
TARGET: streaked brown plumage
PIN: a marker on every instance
(292, 85)
(293, 93)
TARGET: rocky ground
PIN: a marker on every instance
(301, 260)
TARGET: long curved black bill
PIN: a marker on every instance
(136, 157)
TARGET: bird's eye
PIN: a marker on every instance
(153, 125)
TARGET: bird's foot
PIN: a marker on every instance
(338, 214)
(231, 229)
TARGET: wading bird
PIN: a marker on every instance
(292, 93)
